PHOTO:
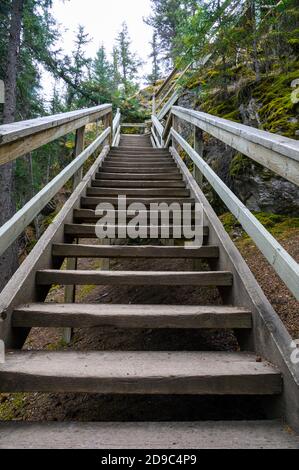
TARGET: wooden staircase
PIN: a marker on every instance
(146, 175)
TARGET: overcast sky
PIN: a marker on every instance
(102, 20)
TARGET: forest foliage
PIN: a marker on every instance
(255, 41)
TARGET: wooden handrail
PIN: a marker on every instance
(19, 138)
(285, 266)
(279, 154)
(17, 224)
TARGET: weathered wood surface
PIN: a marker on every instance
(285, 266)
(122, 251)
(143, 192)
(136, 278)
(88, 216)
(140, 176)
(15, 226)
(20, 138)
(206, 373)
(149, 435)
(279, 154)
(92, 202)
(102, 183)
(22, 287)
(268, 337)
(131, 316)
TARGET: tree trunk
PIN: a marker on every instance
(9, 261)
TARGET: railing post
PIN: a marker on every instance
(154, 105)
(108, 122)
(70, 291)
(198, 147)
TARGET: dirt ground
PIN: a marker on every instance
(86, 407)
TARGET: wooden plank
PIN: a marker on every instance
(119, 251)
(158, 126)
(127, 278)
(17, 130)
(170, 103)
(92, 202)
(16, 225)
(102, 183)
(32, 139)
(141, 125)
(126, 170)
(123, 165)
(186, 373)
(284, 265)
(150, 231)
(89, 216)
(131, 316)
(279, 154)
(143, 192)
(166, 81)
(139, 177)
(22, 286)
(269, 337)
(148, 435)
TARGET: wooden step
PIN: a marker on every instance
(137, 184)
(89, 231)
(175, 373)
(148, 435)
(142, 192)
(88, 216)
(123, 251)
(139, 177)
(93, 202)
(140, 160)
(151, 150)
(131, 316)
(131, 165)
(48, 277)
(133, 169)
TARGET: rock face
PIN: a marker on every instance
(257, 187)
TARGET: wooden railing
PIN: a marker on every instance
(19, 138)
(279, 154)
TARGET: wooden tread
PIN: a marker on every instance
(89, 216)
(160, 170)
(140, 176)
(142, 192)
(102, 183)
(93, 202)
(89, 231)
(48, 277)
(52, 315)
(187, 373)
(148, 435)
(124, 251)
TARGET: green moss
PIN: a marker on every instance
(61, 344)
(279, 226)
(239, 165)
(11, 406)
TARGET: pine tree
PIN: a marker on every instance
(128, 62)
(102, 75)
(78, 65)
(155, 75)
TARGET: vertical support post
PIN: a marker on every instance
(198, 147)
(154, 105)
(70, 291)
(175, 125)
(108, 122)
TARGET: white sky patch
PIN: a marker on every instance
(102, 21)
